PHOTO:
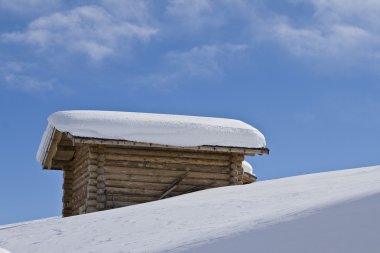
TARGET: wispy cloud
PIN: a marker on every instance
(15, 75)
(131, 10)
(205, 60)
(29, 6)
(337, 29)
(90, 30)
(201, 62)
(29, 83)
(193, 13)
(202, 14)
(332, 41)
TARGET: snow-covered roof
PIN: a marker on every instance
(164, 129)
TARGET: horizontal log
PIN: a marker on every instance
(164, 173)
(237, 158)
(93, 182)
(160, 179)
(92, 189)
(101, 198)
(75, 187)
(130, 198)
(167, 153)
(117, 204)
(143, 185)
(169, 166)
(91, 209)
(93, 156)
(84, 175)
(100, 206)
(234, 173)
(165, 160)
(79, 194)
(92, 168)
(79, 157)
(77, 205)
(143, 192)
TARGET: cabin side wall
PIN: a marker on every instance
(122, 176)
(135, 175)
(76, 177)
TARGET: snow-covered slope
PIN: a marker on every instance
(325, 212)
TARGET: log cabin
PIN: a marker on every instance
(116, 159)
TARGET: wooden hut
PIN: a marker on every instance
(116, 159)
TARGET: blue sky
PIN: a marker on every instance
(304, 72)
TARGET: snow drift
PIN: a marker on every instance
(325, 212)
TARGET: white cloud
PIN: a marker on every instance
(332, 41)
(338, 28)
(28, 83)
(189, 8)
(90, 30)
(206, 60)
(199, 14)
(132, 10)
(201, 62)
(15, 75)
(29, 6)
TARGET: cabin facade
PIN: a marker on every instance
(106, 166)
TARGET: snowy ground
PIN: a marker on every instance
(325, 212)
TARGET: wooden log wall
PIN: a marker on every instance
(67, 191)
(134, 175)
(75, 193)
(107, 177)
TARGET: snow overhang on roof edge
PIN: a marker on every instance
(161, 129)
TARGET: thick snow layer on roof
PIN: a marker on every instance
(164, 129)
(326, 212)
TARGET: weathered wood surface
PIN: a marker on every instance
(173, 185)
(132, 144)
(169, 166)
(248, 178)
(155, 159)
(104, 177)
(80, 177)
(52, 149)
(163, 173)
(168, 153)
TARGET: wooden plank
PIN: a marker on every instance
(52, 149)
(94, 141)
(173, 185)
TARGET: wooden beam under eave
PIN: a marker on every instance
(95, 141)
(64, 155)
